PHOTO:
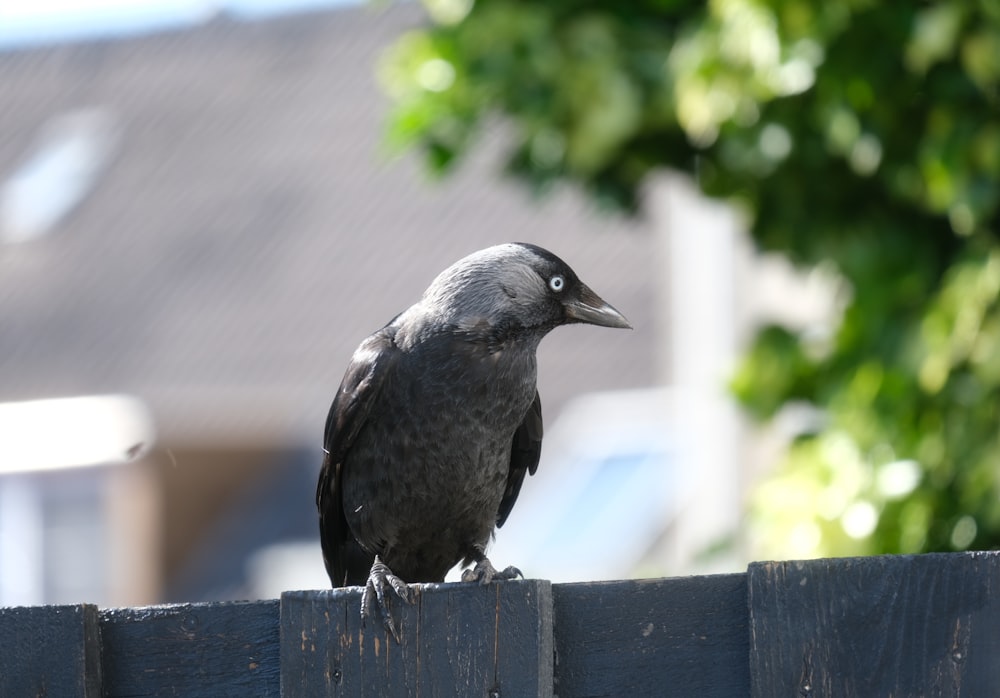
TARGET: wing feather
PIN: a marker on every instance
(346, 561)
(524, 455)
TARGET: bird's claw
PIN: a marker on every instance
(380, 580)
(484, 572)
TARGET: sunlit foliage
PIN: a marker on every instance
(861, 135)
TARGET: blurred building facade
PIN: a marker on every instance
(207, 221)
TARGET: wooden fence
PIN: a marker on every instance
(896, 626)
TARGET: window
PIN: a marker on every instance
(61, 169)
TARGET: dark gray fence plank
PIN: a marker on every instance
(49, 651)
(655, 637)
(926, 625)
(887, 626)
(217, 649)
(457, 639)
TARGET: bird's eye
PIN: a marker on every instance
(557, 283)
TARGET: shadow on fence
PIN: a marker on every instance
(883, 626)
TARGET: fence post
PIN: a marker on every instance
(902, 625)
(50, 650)
(457, 639)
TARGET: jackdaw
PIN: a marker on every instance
(437, 421)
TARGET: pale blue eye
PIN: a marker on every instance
(556, 283)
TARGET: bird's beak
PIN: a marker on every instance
(590, 308)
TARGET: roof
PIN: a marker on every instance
(244, 229)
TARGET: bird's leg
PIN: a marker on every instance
(484, 572)
(380, 579)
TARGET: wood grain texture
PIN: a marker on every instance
(894, 626)
(655, 637)
(926, 625)
(457, 639)
(49, 651)
(213, 649)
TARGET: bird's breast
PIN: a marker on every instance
(435, 450)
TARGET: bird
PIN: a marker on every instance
(438, 420)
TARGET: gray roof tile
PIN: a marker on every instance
(250, 230)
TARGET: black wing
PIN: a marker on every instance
(524, 455)
(347, 563)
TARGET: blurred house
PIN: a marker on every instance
(206, 221)
(198, 227)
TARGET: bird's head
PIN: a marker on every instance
(516, 286)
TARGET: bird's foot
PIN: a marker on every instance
(484, 572)
(380, 581)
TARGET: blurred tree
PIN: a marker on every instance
(861, 135)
